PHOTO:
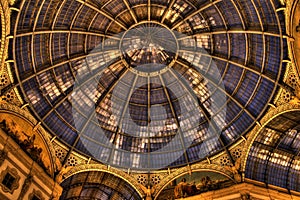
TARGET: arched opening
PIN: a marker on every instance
(97, 185)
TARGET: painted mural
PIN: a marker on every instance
(194, 184)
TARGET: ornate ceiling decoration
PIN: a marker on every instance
(149, 84)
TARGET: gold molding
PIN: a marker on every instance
(5, 31)
(290, 15)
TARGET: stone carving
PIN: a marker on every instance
(27, 143)
(55, 195)
(59, 177)
(58, 165)
(234, 169)
(296, 99)
(149, 192)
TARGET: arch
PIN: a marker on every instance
(263, 122)
(272, 148)
(102, 168)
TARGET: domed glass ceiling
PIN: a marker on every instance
(148, 84)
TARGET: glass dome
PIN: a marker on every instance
(97, 186)
(147, 84)
(276, 152)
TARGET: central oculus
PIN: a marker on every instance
(149, 47)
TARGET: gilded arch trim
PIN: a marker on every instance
(5, 30)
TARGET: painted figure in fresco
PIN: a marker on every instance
(184, 189)
(206, 183)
